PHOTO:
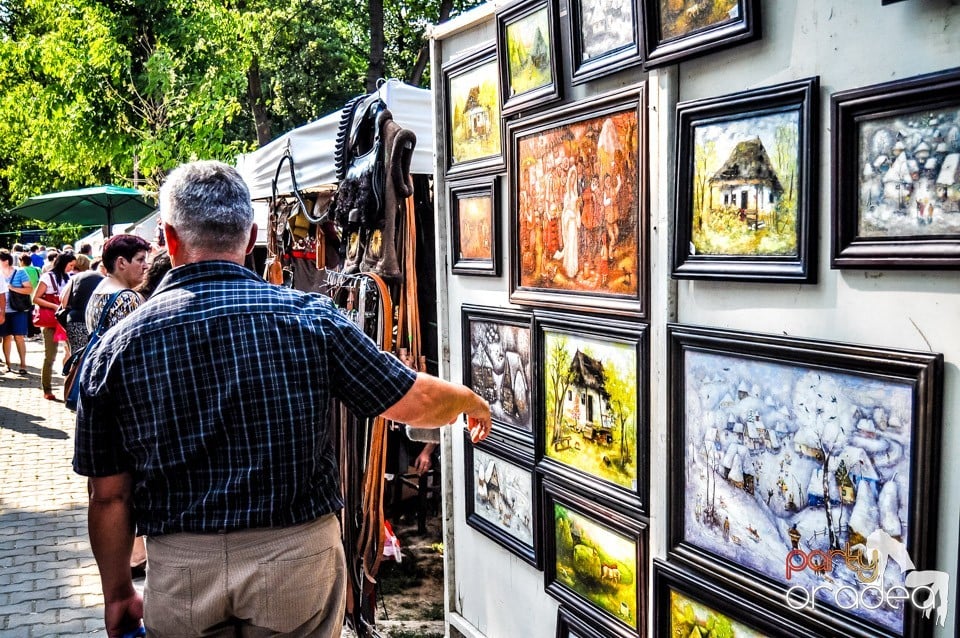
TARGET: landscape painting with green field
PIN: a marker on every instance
(529, 53)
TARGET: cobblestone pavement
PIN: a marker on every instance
(49, 584)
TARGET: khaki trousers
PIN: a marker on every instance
(252, 583)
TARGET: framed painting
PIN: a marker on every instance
(678, 30)
(497, 365)
(594, 405)
(472, 99)
(595, 561)
(475, 226)
(604, 37)
(686, 604)
(896, 174)
(570, 625)
(578, 214)
(527, 50)
(501, 500)
(806, 470)
(747, 185)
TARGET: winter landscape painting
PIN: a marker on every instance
(498, 351)
(781, 462)
(500, 499)
(896, 174)
(604, 37)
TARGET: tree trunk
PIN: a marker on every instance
(376, 67)
(416, 74)
(261, 118)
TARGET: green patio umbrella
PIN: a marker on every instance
(100, 205)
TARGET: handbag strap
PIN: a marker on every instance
(106, 311)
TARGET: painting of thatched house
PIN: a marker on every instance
(476, 114)
(587, 398)
(748, 182)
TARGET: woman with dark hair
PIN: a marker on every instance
(53, 281)
(125, 259)
(159, 266)
(15, 326)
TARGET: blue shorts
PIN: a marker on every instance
(16, 324)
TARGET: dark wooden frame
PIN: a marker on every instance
(612, 61)
(459, 66)
(658, 51)
(487, 186)
(633, 98)
(568, 620)
(635, 530)
(923, 371)
(801, 96)
(509, 317)
(848, 109)
(519, 457)
(636, 501)
(540, 96)
(743, 608)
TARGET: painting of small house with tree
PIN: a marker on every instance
(745, 190)
(591, 400)
(474, 99)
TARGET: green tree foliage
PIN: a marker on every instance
(121, 91)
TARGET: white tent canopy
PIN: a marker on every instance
(313, 145)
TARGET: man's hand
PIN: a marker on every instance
(424, 460)
(123, 615)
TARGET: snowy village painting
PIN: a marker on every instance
(744, 188)
(473, 103)
(897, 173)
(500, 499)
(605, 37)
(778, 460)
(497, 351)
(578, 230)
(596, 555)
(593, 406)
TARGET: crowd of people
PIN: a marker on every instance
(72, 287)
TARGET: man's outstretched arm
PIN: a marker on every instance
(432, 402)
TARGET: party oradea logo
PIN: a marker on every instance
(926, 590)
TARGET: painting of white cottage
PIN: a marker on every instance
(745, 186)
(590, 395)
(782, 457)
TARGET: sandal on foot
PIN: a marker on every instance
(22, 371)
(49, 396)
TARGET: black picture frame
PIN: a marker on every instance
(625, 556)
(755, 229)
(661, 48)
(590, 60)
(469, 79)
(895, 202)
(618, 283)
(485, 236)
(502, 499)
(570, 625)
(546, 43)
(834, 408)
(583, 451)
(742, 608)
(509, 338)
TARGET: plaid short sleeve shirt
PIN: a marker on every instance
(215, 395)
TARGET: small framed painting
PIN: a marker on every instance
(497, 365)
(605, 37)
(896, 174)
(594, 405)
(807, 470)
(678, 30)
(475, 226)
(686, 604)
(595, 561)
(579, 199)
(746, 185)
(571, 625)
(472, 97)
(527, 49)
(501, 500)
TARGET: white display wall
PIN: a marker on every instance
(492, 592)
